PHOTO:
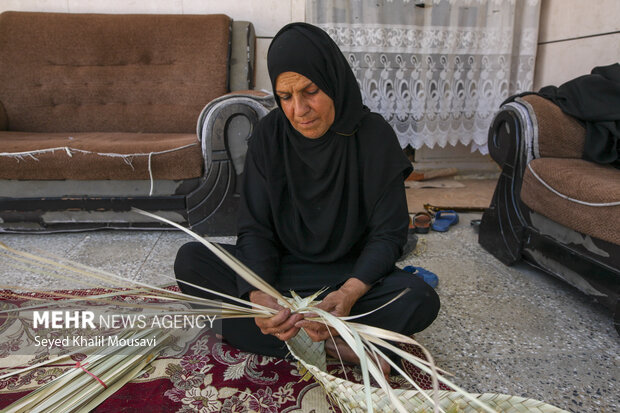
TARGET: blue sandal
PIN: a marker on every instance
(428, 277)
(444, 220)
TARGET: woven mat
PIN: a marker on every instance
(208, 376)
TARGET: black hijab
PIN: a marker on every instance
(322, 191)
(308, 50)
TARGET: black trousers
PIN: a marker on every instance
(411, 313)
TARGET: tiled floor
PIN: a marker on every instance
(501, 329)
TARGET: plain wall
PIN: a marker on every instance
(267, 16)
(574, 37)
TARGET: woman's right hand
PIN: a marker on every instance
(281, 325)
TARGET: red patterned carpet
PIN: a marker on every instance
(208, 376)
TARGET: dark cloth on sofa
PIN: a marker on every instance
(594, 100)
(411, 313)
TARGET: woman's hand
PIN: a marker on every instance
(281, 325)
(338, 303)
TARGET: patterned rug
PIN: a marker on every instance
(208, 375)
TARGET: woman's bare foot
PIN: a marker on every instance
(338, 349)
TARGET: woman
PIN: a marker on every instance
(322, 205)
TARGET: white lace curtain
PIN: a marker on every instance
(437, 70)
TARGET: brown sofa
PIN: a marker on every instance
(552, 208)
(99, 113)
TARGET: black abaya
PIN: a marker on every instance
(411, 313)
(316, 212)
(322, 199)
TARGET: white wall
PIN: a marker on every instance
(574, 37)
(268, 16)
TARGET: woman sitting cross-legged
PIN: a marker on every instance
(322, 205)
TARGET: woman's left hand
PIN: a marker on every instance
(338, 303)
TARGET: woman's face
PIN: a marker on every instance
(308, 108)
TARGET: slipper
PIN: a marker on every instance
(429, 277)
(444, 219)
(422, 222)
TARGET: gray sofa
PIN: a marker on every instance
(100, 113)
(551, 207)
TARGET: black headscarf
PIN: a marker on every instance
(308, 50)
(321, 191)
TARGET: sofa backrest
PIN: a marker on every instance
(63, 72)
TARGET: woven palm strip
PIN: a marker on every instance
(350, 396)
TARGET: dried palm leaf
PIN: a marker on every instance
(349, 396)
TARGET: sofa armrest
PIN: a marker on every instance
(4, 120)
(510, 145)
(226, 123)
(556, 134)
(224, 127)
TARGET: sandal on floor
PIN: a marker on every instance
(429, 277)
(422, 222)
(444, 219)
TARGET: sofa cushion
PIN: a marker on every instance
(559, 135)
(579, 180)
(100, 155)
(64, 72)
